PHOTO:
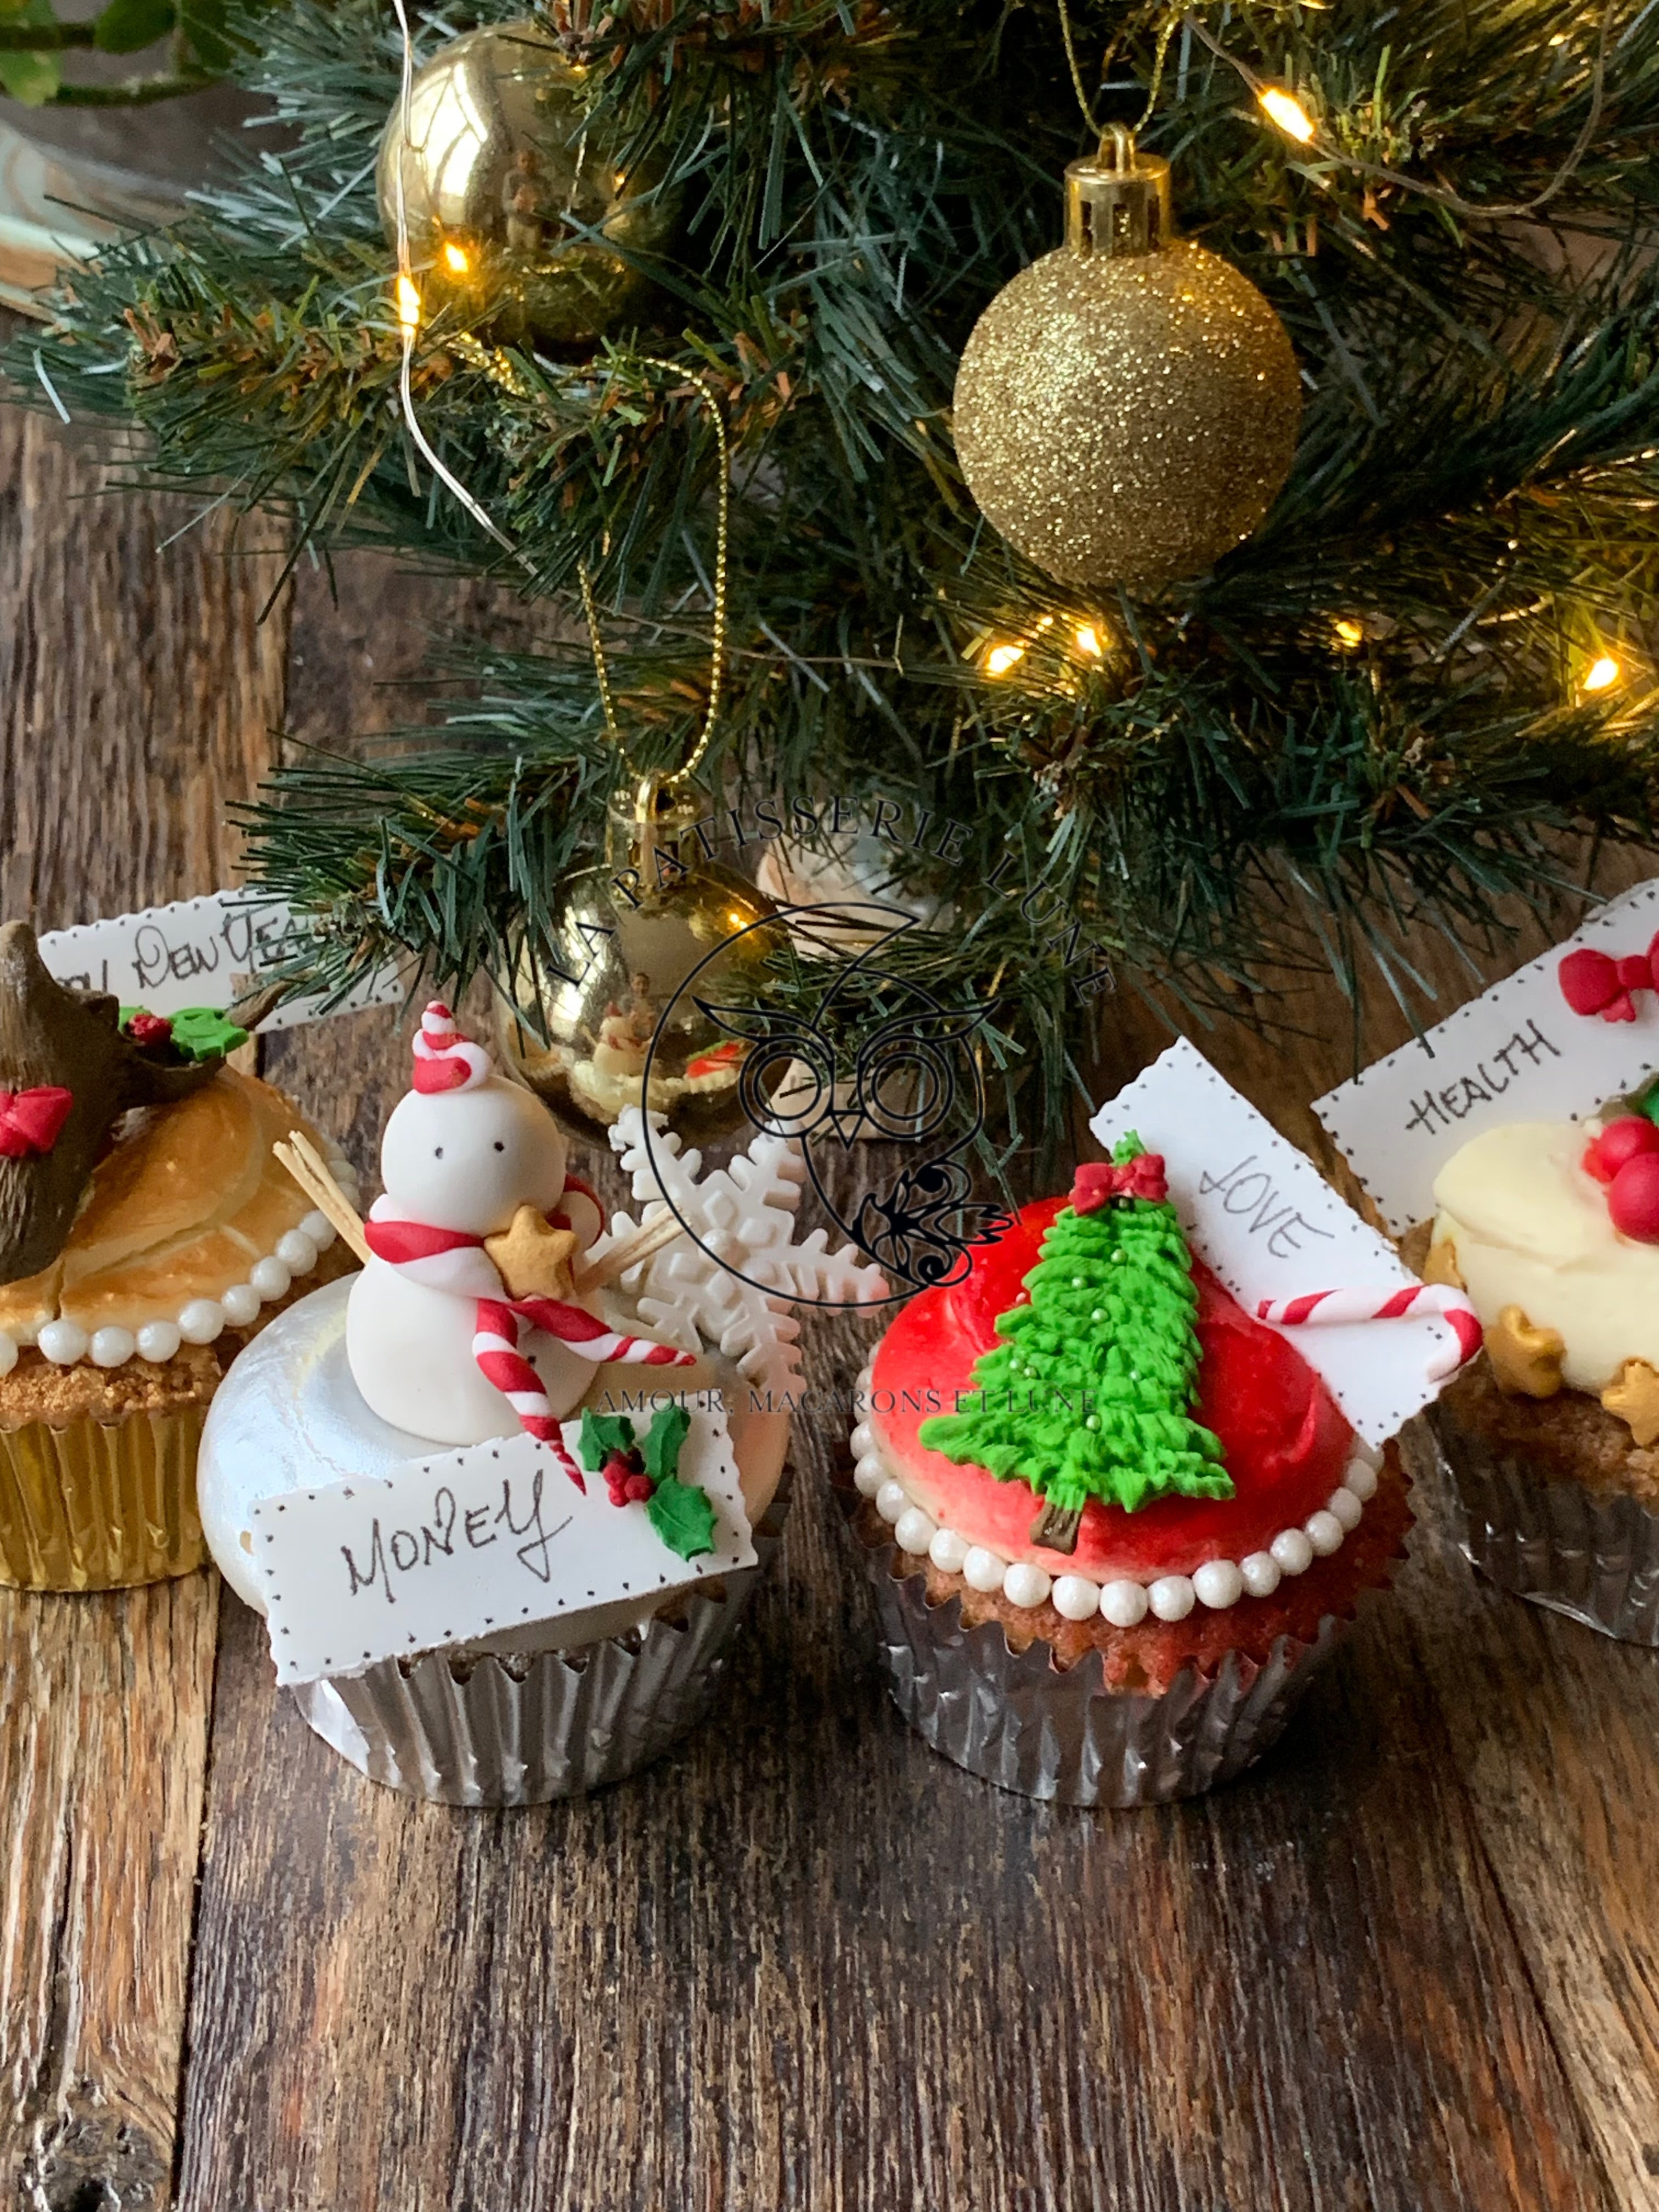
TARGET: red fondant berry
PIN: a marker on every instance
(149, 1029)
(1626, 1139)
(1633, 1198)
(638, 1488)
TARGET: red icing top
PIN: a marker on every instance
(1286, 1443)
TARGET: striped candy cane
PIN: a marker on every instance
(1415, 1301)
(496, 1349)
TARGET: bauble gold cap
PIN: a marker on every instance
(1117, 201)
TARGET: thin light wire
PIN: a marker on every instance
(1179, 17)
(1478, 209)
(409, 324)
(497, 366)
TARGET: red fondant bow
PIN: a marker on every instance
(1596, 983)
(30, 1121)
(1099, 1181)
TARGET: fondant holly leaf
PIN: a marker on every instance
(663, 1439)
(603, 1434)
(682, 1516)
(202, 1033)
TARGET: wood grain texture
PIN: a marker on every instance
(135, 696)
(1406, 1966)
(1553, 1730)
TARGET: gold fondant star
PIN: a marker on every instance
(535, 1260)
(1634, 1399)
(1441, 1266)
(1526, 1361)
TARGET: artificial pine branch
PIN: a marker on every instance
(1369, 715)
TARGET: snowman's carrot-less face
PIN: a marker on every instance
(469, 1158)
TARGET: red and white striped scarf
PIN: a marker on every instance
(454, 1262)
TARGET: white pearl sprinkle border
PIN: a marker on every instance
(1218, 1585)
(65, 1343)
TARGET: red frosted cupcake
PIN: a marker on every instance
(1116, 1521)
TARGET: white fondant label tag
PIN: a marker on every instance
(198, 952)
(1518, 1053)
(453, 1546)
(1262, 1218)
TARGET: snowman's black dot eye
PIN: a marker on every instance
(500, 1146)
(438, 1152)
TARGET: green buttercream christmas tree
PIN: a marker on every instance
(1087, 1395)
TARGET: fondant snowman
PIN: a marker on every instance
(435, 1337)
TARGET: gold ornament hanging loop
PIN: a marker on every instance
(683, 774)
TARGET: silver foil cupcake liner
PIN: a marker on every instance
(1594, 1558)
(524, 1728)
(1016, 1719)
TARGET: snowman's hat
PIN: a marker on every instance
(444, 1059)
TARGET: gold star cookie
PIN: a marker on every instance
(535, 1260)
(1526, 1361)
(1441, 1265)
(1634, 1399)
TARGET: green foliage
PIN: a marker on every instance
(603, 1434)
(32, 79)
(665, 1440)
(683, 1516)
(1369, 717)
(124, 25)
(1087, 1395)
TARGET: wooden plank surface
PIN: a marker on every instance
(1407, 1965)
(135, 696)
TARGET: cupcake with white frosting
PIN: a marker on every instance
(1552, 1231)
(497, 1305)
(1115, 1521)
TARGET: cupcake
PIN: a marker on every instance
(145, 1234)
(1552, 1228)
(497, 1305)
(1114, 1521)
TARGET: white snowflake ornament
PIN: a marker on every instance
(744, 1216)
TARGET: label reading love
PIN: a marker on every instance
(462, 1545)
(196, 952)
(1261, 1217)
(1518, 1053)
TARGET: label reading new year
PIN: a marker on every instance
(462, 1545)
(1518, 1053)
(198, 952)
(1262, 1218)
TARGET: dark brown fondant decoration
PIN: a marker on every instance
(51, 1037)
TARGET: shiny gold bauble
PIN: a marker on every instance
(504, 173)
(1126, 408)
(626, 937)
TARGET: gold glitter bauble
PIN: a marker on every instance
(1127, 409)
(504, 170)
(626, 937)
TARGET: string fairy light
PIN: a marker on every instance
(1284, 110)
(1602, 673)
(1288, 112)
(410, 312)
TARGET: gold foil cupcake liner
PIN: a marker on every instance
(100, 1505)
(524, 1728)
(1590, 1555)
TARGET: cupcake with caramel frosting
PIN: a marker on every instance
(146, 1231)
